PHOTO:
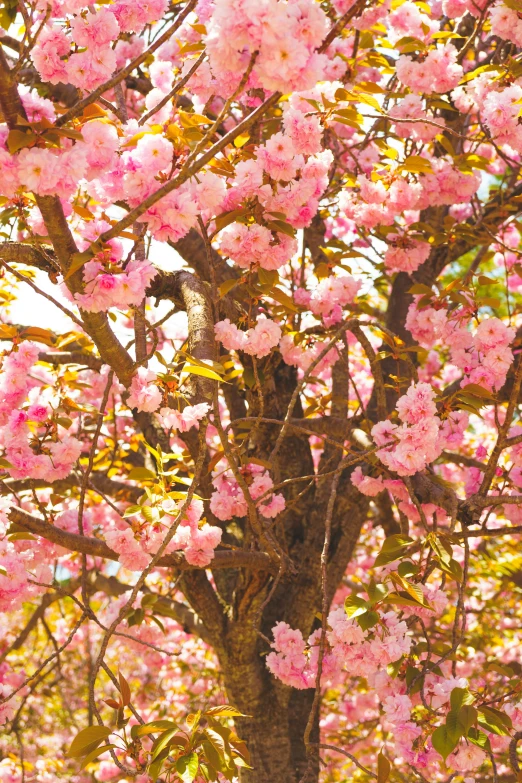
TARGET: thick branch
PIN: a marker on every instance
(193, 293)
(57, 358)
(99, 481)
(16, 252)
(97, 548)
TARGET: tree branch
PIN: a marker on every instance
(97, 548)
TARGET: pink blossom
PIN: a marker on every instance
(405, 254)
(144, 394)
(184, 420)
(262, 338)
(466, 758)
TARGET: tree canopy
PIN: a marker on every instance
(260, 391)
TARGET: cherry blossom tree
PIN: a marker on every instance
(260, 423)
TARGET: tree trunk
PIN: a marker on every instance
(275, 727)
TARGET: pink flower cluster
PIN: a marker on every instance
(500, 111)
(408, 20)
(303, 354)
(298, 176)
(437, 71)
(447, 185)
(285, 34)
(134, 15)
(417, 437)
(426, 324)
(257, 341)
(361, 653)
(196, 539)
(506, 23)
(122, 541)
(106, 287)
(486, 357)
(183, 420)
(411, 107)
(405, 254)
(84, 55)
(30, 448)
(56, 61)
(47, 172)
(373, 204)
(256, 245)
(329, 296)
(172, 217)
(144, 394)
(31, 453)
(229, 501)
(14, 378)
(14, 588)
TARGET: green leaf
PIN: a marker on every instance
(383, 768)
(281, 226)
(407, 568)
(225, 711)
(414, 591)
(154, 769)
(21, 537)
(94, 754)
(442, 742)
(467, 717)
(141, 474)
(459, 697)
(77, 261)
(5, 463)
(368, 620)
(187, 767)
(495, 721)
(227, 286)
(154, 726)
(376, 592)
(205, 372)
(416, 164)
(477, 391)
(151, 514)
(354, 606)
(453, 727)
(87, 739)
(135, 617)
(18, 139)
(402, 599)
(392, 549)
(226, 218)
(162, 742)
(506, 671)
(268, 276)
(212, 755)
(454, 568)
(480, 739)
(215, 733)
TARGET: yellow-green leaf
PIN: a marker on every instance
(205, 372)
(87, 737)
